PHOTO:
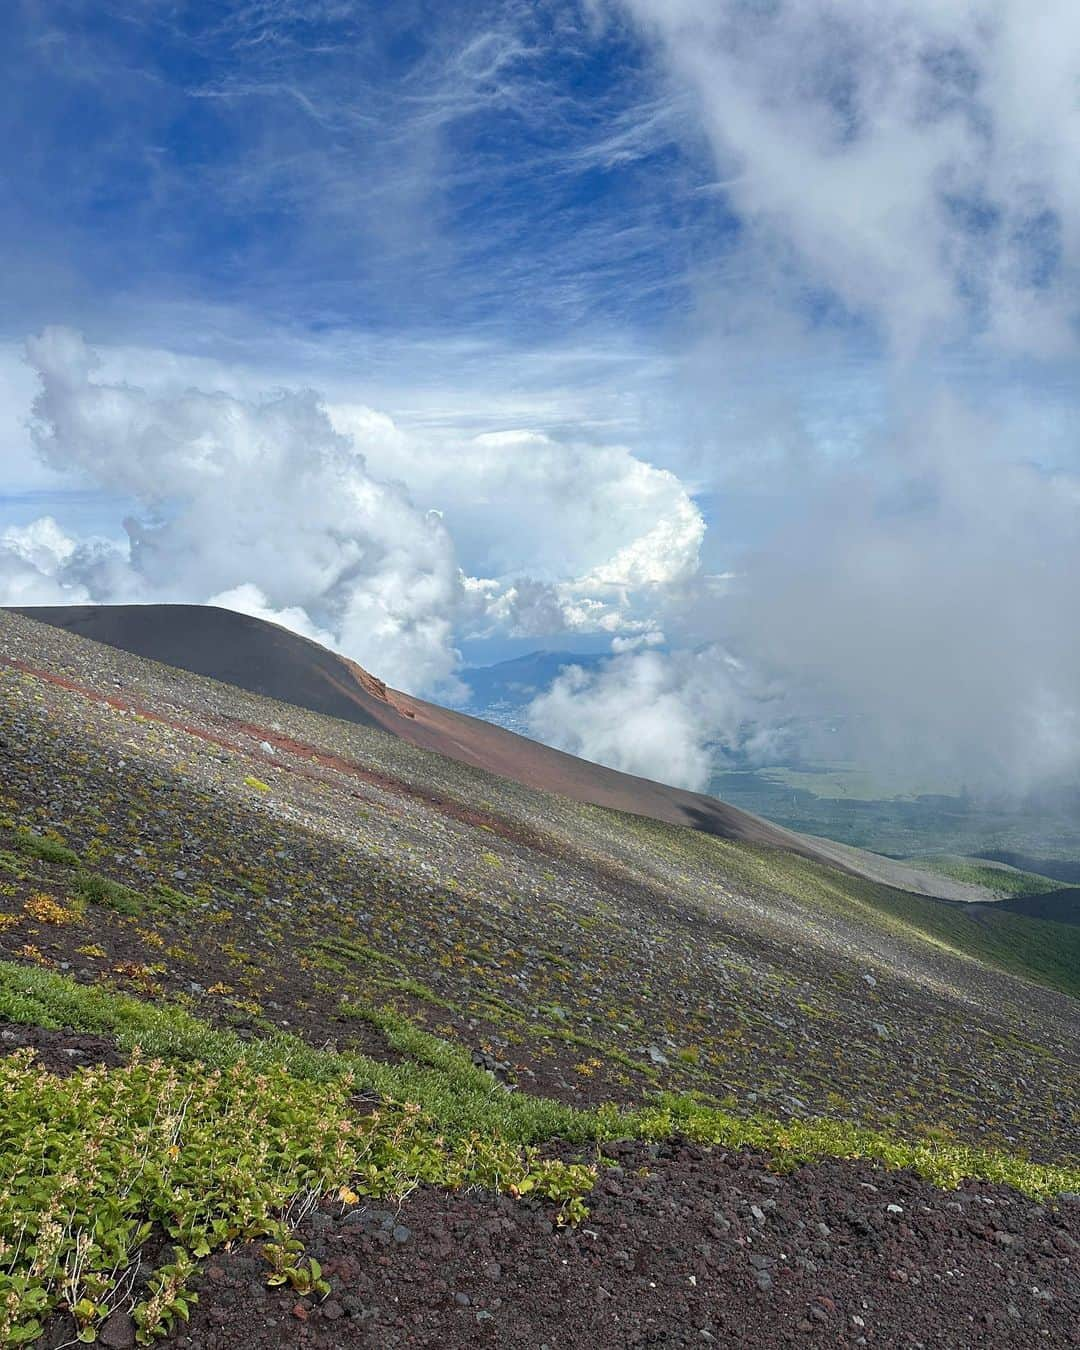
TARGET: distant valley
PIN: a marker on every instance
(1037, 834)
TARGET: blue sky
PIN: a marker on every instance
(655, 327)
(416, 167)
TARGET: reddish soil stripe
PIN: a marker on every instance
(609, 878)
(301, 750)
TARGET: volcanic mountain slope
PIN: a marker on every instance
(310, 929)
(266, 659)
(259, 656)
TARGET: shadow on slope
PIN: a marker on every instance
(1059, 906)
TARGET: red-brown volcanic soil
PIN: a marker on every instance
(266, 659)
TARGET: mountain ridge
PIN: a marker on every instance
(266, 658)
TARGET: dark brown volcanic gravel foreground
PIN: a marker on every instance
(60, 1051)
(706, 1249)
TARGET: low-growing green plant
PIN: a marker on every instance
(43, 846)
(210, 1143)
(99, 890)
(171, 898)
(90, 1163)
(794, 1142)
(422, 992)
(354, 951)
(288, 1266)
(169, 1299)
(211, 1138)
(88, 885)
(12, 863)
(464, 1101)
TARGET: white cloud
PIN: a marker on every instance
(338, 523)
(42, 565)
(42, 544)
(916, 158)
(898, 499)
(523, 503)
(30, 558)
(235, 494)
(668, 716)
(563, 536)
(21, 470)
(652, 638)
(667, 554)
(929, 592)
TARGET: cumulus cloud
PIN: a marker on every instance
(339, 525)
(42, 564)
(555, 536)
(42, 545)
(256, 501)
(580, 518)
(672, 716)
(30, 558)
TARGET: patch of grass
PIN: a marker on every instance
(422, 992)
(793, 1143)
(99, 890)
(257, 784)
(12, 863)
(1005, 881)
(355, 951)
(499, 1006)
(171, 898)
(44, 847)
(463, 1102)
(219, 1135)
(410, 1040)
